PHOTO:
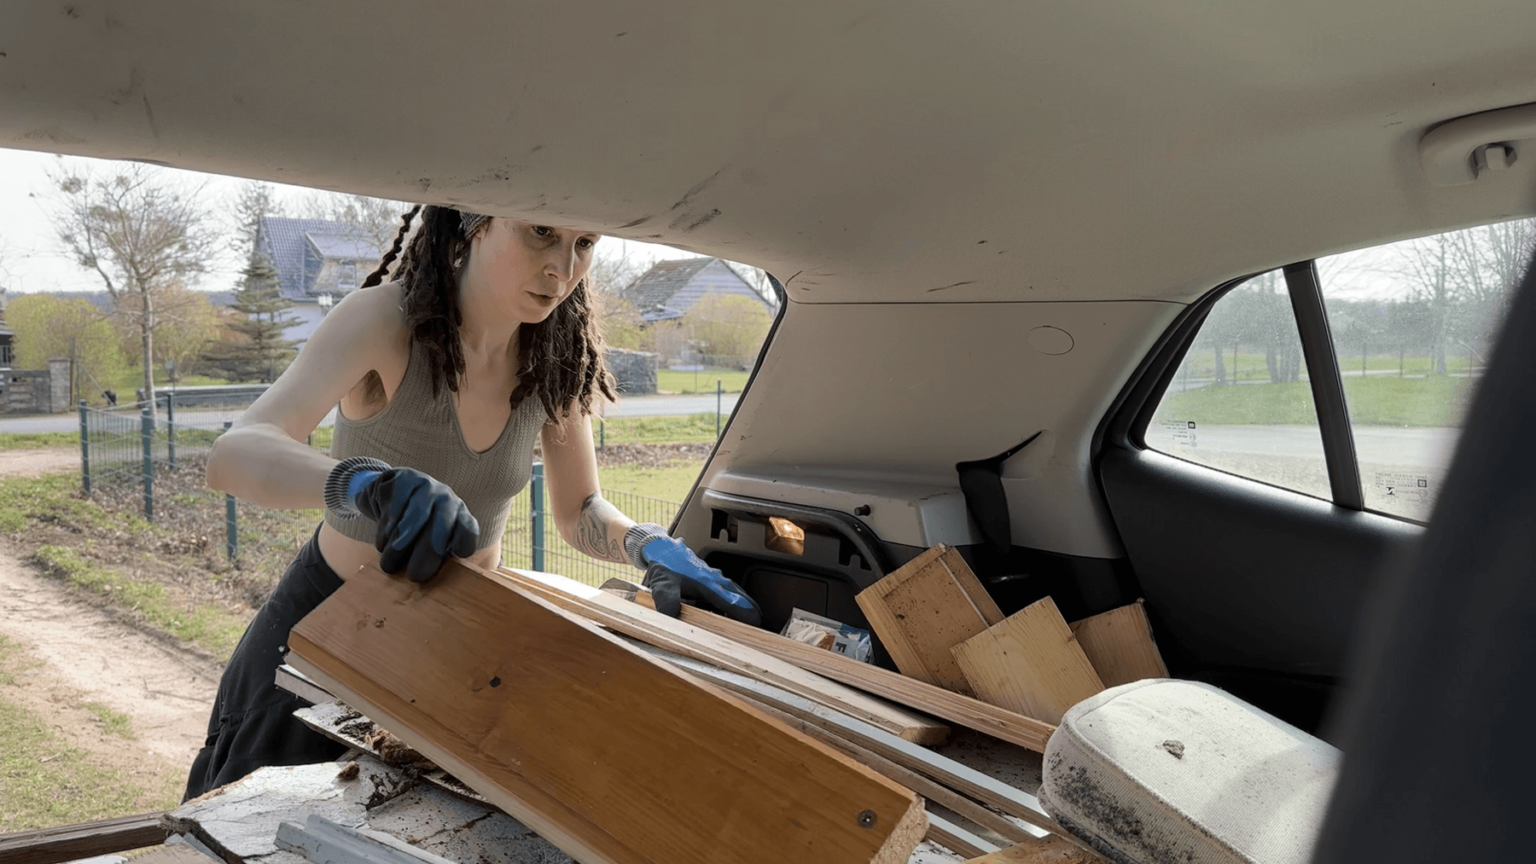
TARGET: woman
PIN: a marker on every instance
(442, 379)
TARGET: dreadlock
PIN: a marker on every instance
(559, 360)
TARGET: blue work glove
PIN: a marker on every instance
(420, 522)
(674, 574)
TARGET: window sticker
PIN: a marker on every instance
(1403, 487)
(1179, 431)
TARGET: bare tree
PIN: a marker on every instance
(142, 231)
(254, 200)
(757, 278)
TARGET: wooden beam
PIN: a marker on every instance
(1000, 723)
(933, 791)
(1030, 663)
(1120, 646)
(539, 712)
(1049, 850)
(988, 790)
(923, 609)
(656, 629)
(84, 840)
(957, 839)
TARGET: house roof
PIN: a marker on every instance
(284, 241)
(657, 285)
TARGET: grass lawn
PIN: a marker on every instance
(1373, 401)
(38, 440)
(43, 781)
(660, 430)
(1252, 365)
(703, 381)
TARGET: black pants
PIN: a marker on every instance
(252, 725)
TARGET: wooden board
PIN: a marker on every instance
(971, 713)
(541, 713)
(925, 608)
(957, 839)
(656, 629)
(1030, 663)
(1120, 646)
(69, 842)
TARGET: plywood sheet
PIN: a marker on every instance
(1030, 663)
(924, 609)
(542, 714)
(1119, 644)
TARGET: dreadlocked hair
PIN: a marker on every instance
(559, 360)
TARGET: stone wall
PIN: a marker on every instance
(633, 371)
(24, 391)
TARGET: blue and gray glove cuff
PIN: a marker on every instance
(637, 537)
(338, 491)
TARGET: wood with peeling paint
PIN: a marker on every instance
(926, 607)
(539, 712)
(1030, 663)
(1120, 646)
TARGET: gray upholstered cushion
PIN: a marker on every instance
(1163, 771)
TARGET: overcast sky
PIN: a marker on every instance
(29, 249)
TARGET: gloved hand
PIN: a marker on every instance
(420, 521)
(674, 573)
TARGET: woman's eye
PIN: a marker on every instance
(542, 231)
(586, 243)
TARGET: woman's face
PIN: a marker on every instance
(529, 269)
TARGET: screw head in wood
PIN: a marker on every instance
(867, 818)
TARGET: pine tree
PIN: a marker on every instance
(259, 350)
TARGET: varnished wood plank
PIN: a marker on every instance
(1120, 646)
(684, 638)
(972, 713)
(923, 609)
(1030, 663)
(83, 840)
(540, 712)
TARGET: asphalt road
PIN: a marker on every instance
(634, 406)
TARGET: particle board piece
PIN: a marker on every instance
(1030, 663)
(926, 607)
(656, 629)
(539, 711)
(1120, 646)
(69, 842)
(971, 713)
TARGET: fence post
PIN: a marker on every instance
(147, 431)
(231, 527)
(718, 391)
(170, 427)
(85, 451)
(536, 498)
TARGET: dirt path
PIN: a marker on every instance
(85, 656)
(31, 463)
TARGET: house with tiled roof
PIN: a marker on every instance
(317, 262)
(670, 288)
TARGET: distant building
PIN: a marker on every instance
(318, 262)
(670, 288)
(7, 338)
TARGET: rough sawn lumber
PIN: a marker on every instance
(69, 842)
(656, 629)
(1120, 646)
(992, 720)
(540, 713)
(1030, 663)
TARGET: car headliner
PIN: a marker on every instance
(895, 152)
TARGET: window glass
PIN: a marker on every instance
(1414, 323)
(1241, 400)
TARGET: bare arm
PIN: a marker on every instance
(588, 522)
(263, 458)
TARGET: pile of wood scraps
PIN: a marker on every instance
(622, 735)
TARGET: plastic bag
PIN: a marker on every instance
(823, 632)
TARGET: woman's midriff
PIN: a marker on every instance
(345, 555)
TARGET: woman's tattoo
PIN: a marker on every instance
(592, 535)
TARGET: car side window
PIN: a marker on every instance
(1413, 326)
(1241, 401)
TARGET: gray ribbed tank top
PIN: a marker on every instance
(416, 431)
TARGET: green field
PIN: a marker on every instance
(1252, 365)
(703, 381)
(38, 440)
(658, 430)
(1373, 401)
